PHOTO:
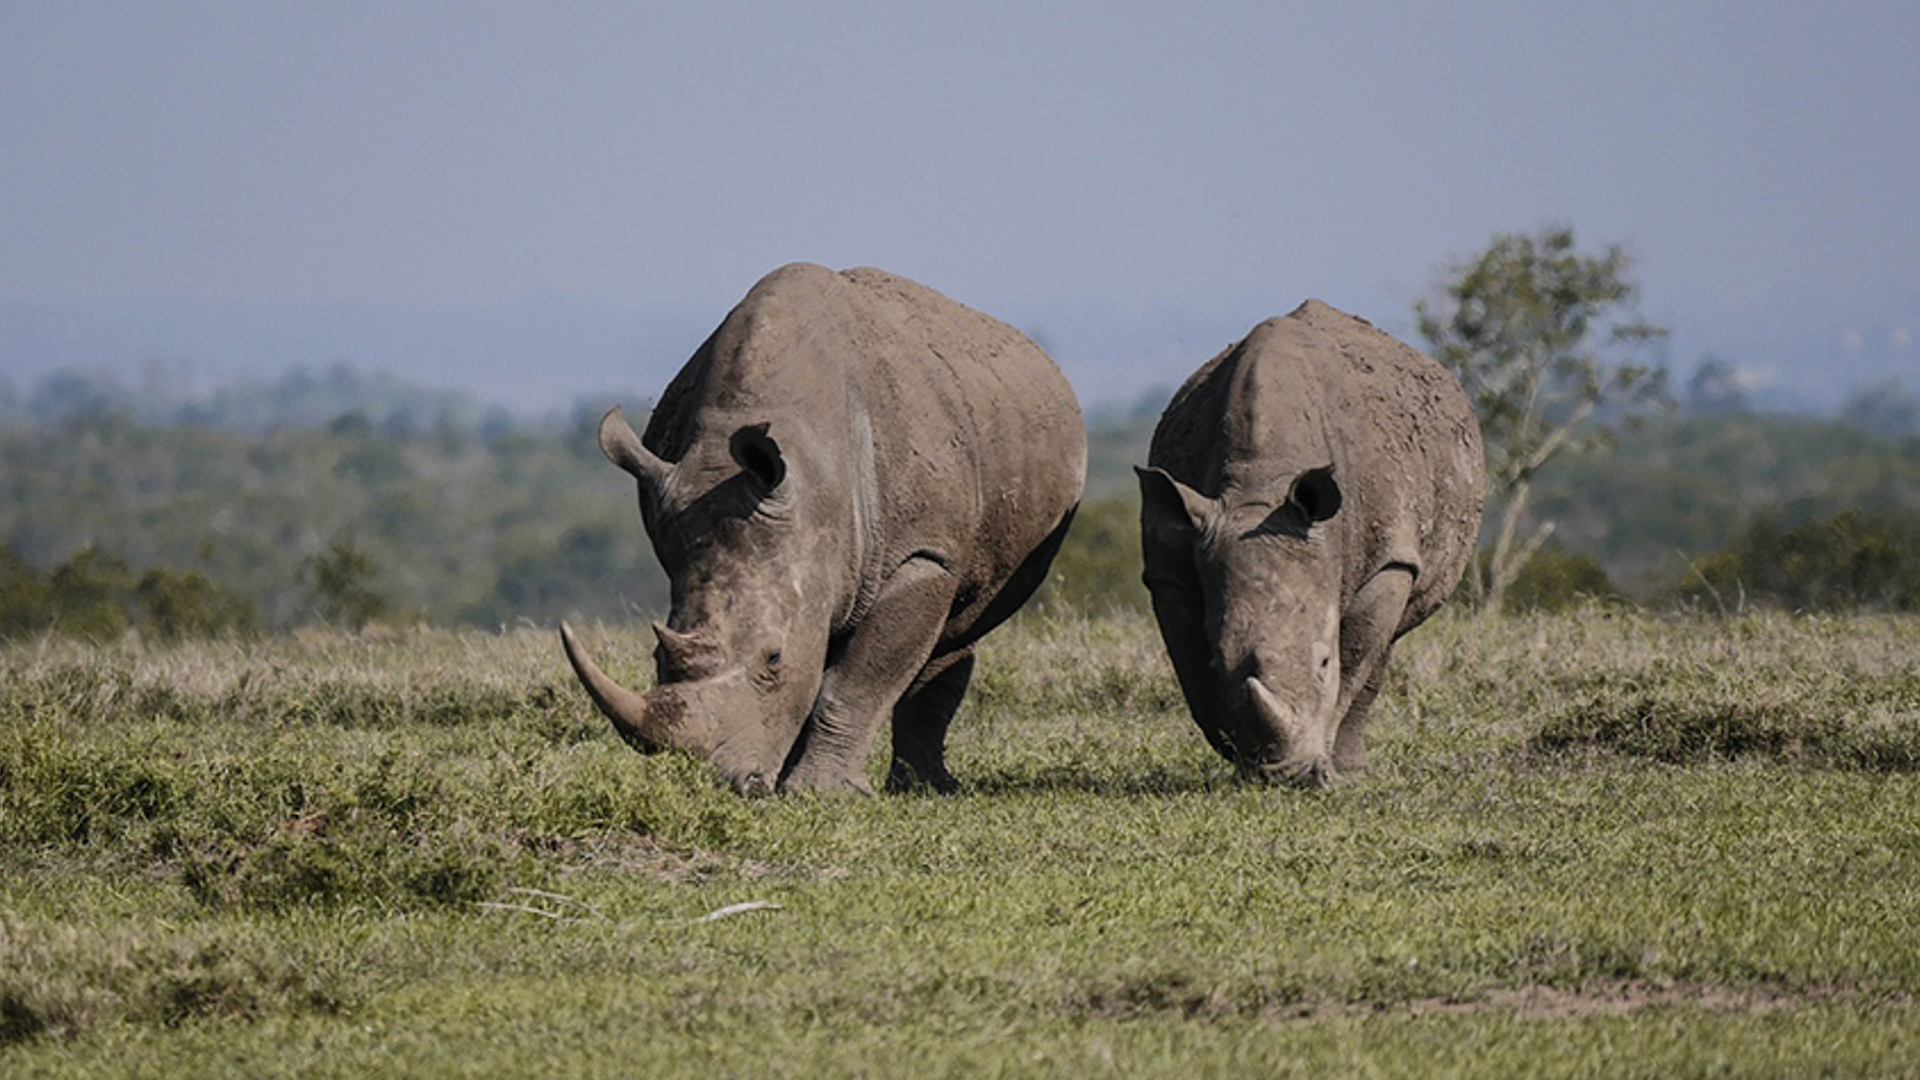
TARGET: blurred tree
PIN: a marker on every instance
(583, 425)
(1544, 340)
(352, 424)
(1556, 579)
(90, 593)
(340, 582)
(26, 598)
(67, 396)
(1885, 408)
(189, 604)
(1716, 388)
(1853, 561)
(541, 579)
(373, 462)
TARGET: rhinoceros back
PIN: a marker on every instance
(945, 433)
(1321, 386)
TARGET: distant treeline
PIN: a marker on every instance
(301, 398)
(456, 515)
(259, 509)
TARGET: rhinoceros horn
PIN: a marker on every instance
(626, 709)
(1300, 769)
(688, 652)
(672, 716)
(623, 448)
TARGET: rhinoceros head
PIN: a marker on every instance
(1257, 571)
(740, 659)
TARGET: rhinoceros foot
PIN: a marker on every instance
(905, 777)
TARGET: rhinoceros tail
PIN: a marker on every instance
(626, 709)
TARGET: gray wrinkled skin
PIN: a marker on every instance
(1314, 492)
(848, 484)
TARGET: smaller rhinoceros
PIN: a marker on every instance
(848, 484)
(1314, 492)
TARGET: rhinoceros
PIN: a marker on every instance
(848, 484)
(1312, 493)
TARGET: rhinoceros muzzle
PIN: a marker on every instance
(1297, 753)
(701, 717)
(677, 716)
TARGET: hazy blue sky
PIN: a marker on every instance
(543, 199)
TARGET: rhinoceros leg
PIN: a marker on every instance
(882, 659)
(1367, 630)
(920, 725)
(1350, 740)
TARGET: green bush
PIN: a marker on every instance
(94, 595)
(91, 595)
(1098, 568)
(26, 599)
(1555, 580)
(189, 604)
(341, 584)
(1852, 562)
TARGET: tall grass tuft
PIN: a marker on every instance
(62, 980)
(1690, 713)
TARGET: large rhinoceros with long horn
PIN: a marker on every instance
(1314, 492)
(850, 482)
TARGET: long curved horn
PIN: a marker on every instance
(623, 448)
(626, 709)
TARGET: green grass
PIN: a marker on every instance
(1601, 843)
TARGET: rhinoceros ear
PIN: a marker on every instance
(1316, 494)
(623, 448)
(1167, 505)
(756, 452)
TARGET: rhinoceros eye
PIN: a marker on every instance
(773, 658)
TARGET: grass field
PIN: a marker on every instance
(1602, 844)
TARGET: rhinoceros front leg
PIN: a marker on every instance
(920, 725)
(1367, 629)
(880, 661)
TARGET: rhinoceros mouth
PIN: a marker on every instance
(679, 716)
(669, 716)
(1314, 773)
(1290, 750)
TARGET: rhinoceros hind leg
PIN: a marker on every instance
(920, 725)
(880, 661)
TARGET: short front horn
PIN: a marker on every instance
(1278, 718)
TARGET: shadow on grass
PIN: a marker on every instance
(1154, 780)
